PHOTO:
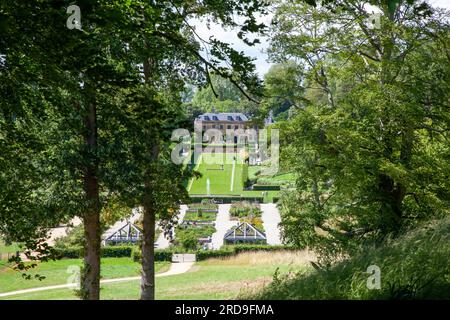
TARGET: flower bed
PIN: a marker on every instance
(200, 215)
(245, 209)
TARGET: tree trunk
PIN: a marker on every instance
(148, 249)
(148, 241)
(90, 286)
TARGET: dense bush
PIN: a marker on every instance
(413, 266)
(188, 239)
(74, 238)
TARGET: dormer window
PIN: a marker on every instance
(207, 118)
(215, 118)
(239, 118)
(230, 118)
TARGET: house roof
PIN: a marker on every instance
(229, 116)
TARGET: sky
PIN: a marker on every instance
(259, 51)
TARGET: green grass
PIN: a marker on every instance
(56, 272)
(281, 178)
(206, 216)
(252, 171)
(8, 248)
(413, 266)
(220, 180)
(206, 280)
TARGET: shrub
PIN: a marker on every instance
(74, 238)
(188, 240)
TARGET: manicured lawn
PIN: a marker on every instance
(56, 272)
(210, 166)
(212, 280)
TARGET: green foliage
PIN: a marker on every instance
(75, 237)
(200, 216)
(413, 266)
(245, 209)
(244, 175)
(105, 252)
(368, 138)
(188, 239)
(199, 231)
(265, 187)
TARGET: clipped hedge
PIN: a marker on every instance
(166, 254)
(105, 252)
(265, 187)
(226, 199)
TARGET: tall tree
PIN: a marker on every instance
(368, 136)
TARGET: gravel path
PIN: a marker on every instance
(271, 218)
(223, 224)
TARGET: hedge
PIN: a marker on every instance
(244, 174)
(226, 199)
(264, 187)
(105, 252)
(166, 254)
(226, 251)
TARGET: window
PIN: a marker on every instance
(207, 118)
(230, 118)
(229, 126)
(236, 126)
(239, 118)
(221, 126)
(215, 118)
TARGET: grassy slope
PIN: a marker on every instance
(212, 279)
(414, 266)
(220, 179)
(56, 272)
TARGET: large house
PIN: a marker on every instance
(221, 121)
(226, 123)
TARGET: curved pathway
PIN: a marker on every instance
(175, 268)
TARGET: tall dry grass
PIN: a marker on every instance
(284, 257)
